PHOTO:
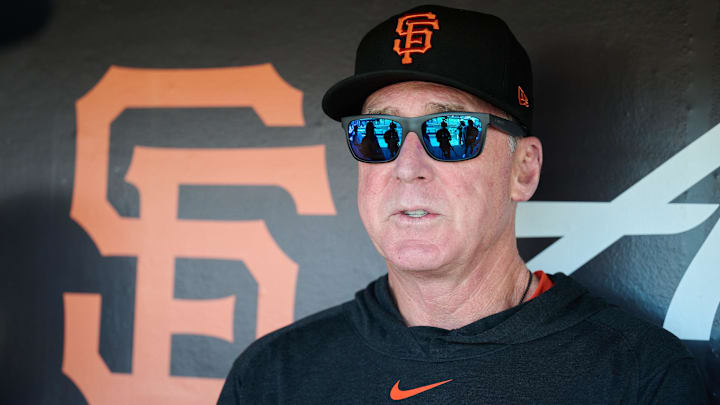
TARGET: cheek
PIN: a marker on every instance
(369, 187)
(482, 193)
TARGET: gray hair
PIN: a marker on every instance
(512, 140)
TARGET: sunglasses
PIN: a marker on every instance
(447, 136)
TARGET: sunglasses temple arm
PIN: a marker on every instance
(507, 126)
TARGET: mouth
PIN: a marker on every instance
(415, 213)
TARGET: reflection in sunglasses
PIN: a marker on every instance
(447, 137)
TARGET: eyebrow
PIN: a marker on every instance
(431, 108)
(440, 107)
(384, 111)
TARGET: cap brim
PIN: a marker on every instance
(347, 96)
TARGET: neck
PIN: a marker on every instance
(453, 298)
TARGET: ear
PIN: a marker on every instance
(527, 161)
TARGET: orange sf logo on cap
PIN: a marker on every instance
(417, 40)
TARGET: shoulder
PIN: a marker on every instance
(299, 339)
(608, 324)
(649, 343)
(664, 369)
(283, 357)
(652, 362)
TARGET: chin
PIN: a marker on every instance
(414, 256)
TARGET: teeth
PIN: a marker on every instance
(416, 213)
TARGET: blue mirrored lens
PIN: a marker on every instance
(453, 137)
(375, 139)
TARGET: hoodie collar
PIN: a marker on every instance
(376, 318)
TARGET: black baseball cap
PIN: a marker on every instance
(468, 50)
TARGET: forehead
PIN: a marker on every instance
(420, 98)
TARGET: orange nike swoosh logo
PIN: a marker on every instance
(397, 394)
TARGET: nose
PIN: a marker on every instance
(413, 163)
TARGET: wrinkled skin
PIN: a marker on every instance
(460, 261)
(471, 203)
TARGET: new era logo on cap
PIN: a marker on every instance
(522, 98)
(417, 30)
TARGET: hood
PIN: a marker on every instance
(377, 320)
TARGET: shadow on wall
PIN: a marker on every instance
(20, 19)
(45, 254)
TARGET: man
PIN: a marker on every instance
(471, 134)
(459, 318)
(442, 137)
(392, 139)
(461, 133)
(370, 145)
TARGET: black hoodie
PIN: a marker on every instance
(563, 347)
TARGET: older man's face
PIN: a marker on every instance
(469, 206)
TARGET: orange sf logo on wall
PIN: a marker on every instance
(158, 237)
(409, 27)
